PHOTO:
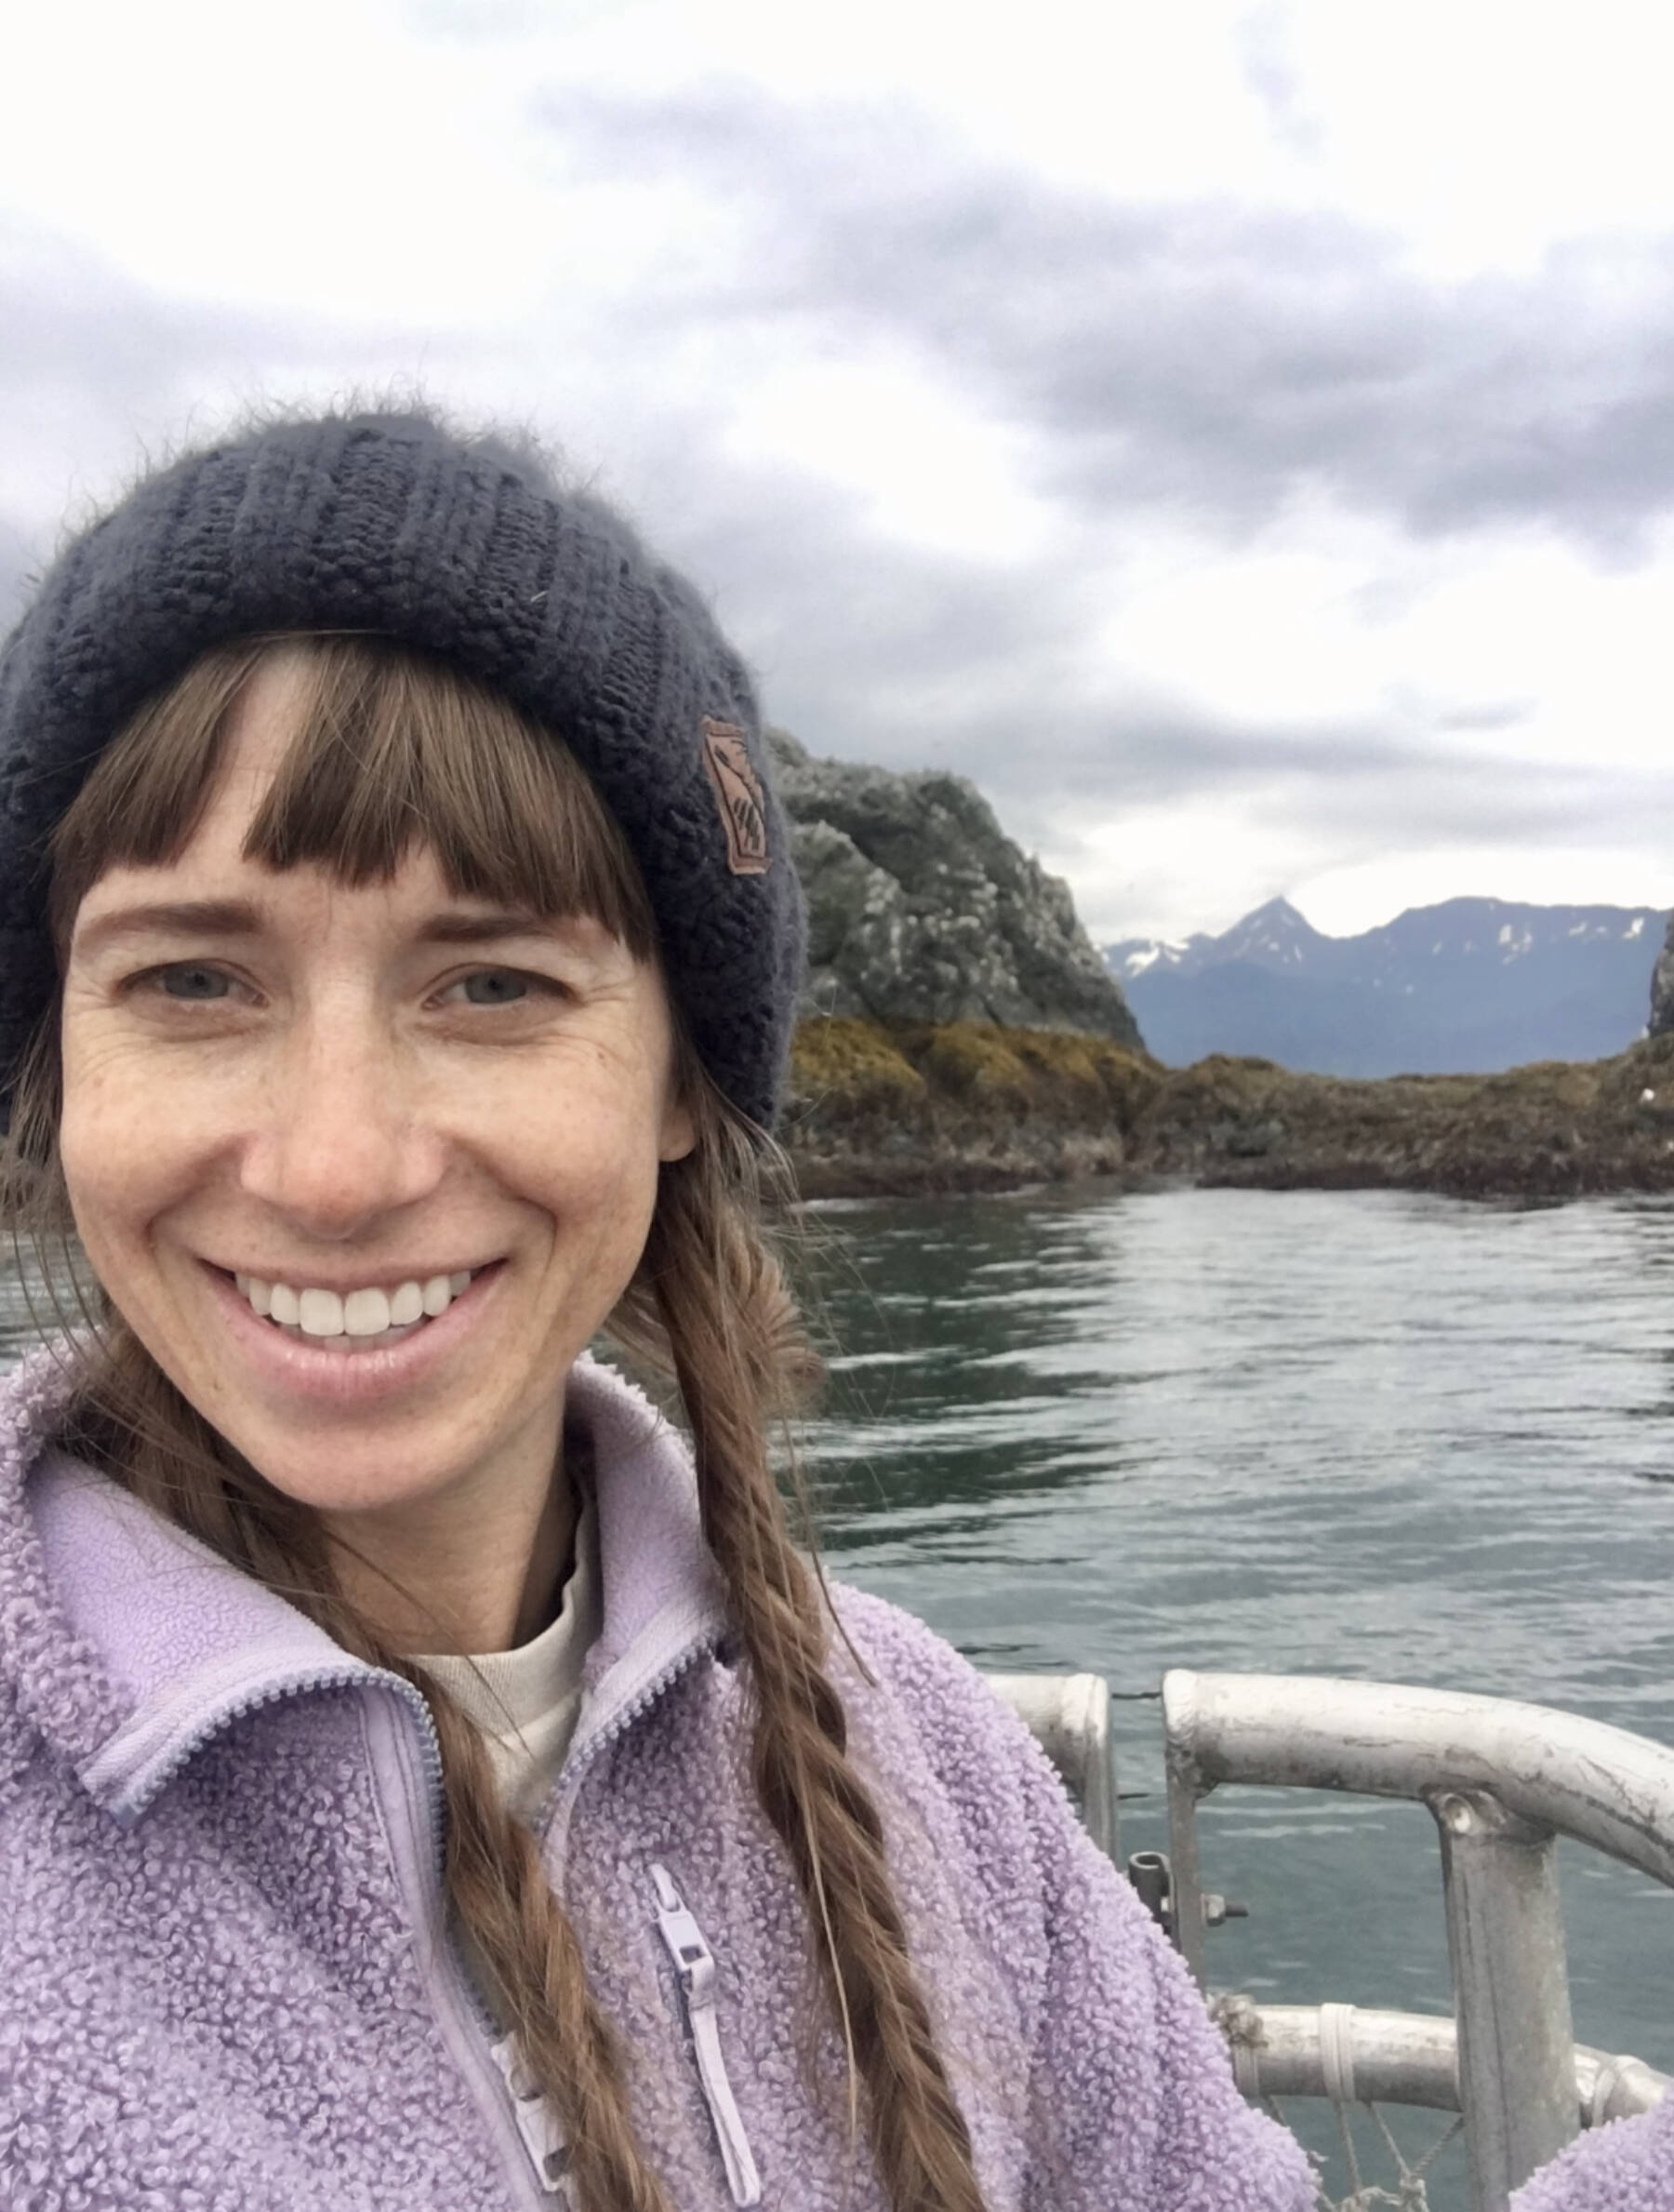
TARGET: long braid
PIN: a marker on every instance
(728, 1323)
(722, 1318)
(131, 1419)
(500, 1892)
(708, 1302)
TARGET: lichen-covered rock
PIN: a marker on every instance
(973, 1107)
(1662, 988)
(964, 1106)
(922, 909)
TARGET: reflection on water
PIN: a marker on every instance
(1359, 1433)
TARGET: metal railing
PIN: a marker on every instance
(1369, 2056)
(1501, 1780)
(1069, 1715)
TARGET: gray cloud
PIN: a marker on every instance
(1355, 785)
(1208, 357)
(1206, 361)
(905, 656)
(1263, 43)
(93, 360)
(88, 347)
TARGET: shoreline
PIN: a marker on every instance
(920, 1111)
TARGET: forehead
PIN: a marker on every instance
(264, 725)
(213, 865)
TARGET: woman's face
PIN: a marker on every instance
(271, 1079)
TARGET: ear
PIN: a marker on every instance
(677, 1135)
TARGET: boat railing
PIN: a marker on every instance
(1503, 1779)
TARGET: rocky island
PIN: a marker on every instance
(922, 910)
(959, 1031)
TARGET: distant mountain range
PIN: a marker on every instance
(1467, 987)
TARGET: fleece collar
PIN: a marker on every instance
(127, 1644)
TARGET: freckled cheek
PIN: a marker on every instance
(125, 1159)
(569, 1140)
(593, 1177)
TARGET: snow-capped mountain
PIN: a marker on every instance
(1471, 985)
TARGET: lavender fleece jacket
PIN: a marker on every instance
(225, 1982)
(1627, 2166)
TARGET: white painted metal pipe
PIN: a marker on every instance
(1405, 2057)
(1070, 1716)
(1505, 1938)
(1598, 1784)
(1500, 1777)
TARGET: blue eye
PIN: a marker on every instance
(190, 981)
(495, 987)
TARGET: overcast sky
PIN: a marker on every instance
(1241, 437)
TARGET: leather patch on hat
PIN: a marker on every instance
(738, 790)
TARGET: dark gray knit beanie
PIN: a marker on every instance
(468, 548)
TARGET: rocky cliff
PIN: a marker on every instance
(1662, 988)
(922, 910)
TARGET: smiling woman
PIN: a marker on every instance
(398, 950)
(422, 1104)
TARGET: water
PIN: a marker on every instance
(1361, 1433)
(1357, 1434)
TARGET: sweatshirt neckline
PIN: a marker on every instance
(126, 1692)
(503, 1691)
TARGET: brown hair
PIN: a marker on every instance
(392, 748)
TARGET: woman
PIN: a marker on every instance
(425, 1778)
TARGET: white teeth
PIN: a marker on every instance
(366, 1314)
(362, 1314)
(320, 1312)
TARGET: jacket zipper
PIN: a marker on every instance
(524, 2136)
(519, 2127)
(536, 2122)
(552, 1825)
(545, 2157)
(695, 1965)
(538, 2128)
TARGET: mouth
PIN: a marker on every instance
(373, 1317)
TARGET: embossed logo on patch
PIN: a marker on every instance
(738, 790)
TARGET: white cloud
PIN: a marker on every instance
(1238, 436)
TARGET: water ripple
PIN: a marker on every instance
(1361, 1433)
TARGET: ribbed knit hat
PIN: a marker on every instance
(468, 548)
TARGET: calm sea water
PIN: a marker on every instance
(1371, 1434)
(1367, 1435)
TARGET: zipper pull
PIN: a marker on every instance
(536, 2122)
(695, 1963)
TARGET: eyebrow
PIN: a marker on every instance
(187, 917)
(238, 917)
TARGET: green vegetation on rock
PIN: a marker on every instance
(848, 1069)
(974, 1106)
(959, 1105)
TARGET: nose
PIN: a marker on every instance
(342, 1138)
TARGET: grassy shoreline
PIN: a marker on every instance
(878, 1112)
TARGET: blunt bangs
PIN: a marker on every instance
(392, 750)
